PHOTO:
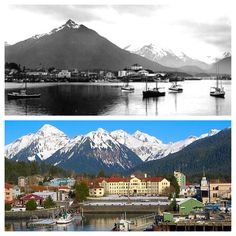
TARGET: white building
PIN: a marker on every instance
(64, 74)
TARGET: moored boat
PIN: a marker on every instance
(22, 94)
(65, 219)
(155, 92)
(176, 88)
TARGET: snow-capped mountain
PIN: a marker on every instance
(94, 152)
(167, 57)
(40, 145)
(150, 148)
(78, 45)
(142, 144)
(98, 150)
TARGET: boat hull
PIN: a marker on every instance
(178, 90)
(150, 93)
(127, 89)
(20, 96)
(218, 95)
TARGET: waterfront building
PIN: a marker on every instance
(188, 205)
(8, 193)
(96, 191)
(28, 197)
(64, 74)
(181, 179)
(219, 190)
(134, 186)
(122, 73)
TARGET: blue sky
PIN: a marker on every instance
(167, 131)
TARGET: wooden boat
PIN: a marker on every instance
(155, 92)
(22, 94)
(127, 87)
(176, 87)
(217, 91)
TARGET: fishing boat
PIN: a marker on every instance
(22, 94)
(122, 225)
(65, 218)
(155, 92)
(127, 87)
(176, 88)
(217, 91)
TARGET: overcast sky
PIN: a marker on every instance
(198, 28)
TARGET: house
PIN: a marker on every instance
(16, 191)
(219, 190)
(189, 205)
(8, 193)
(28, 197)
(96, 191)
(22, 181)
(64, 74)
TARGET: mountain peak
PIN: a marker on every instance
(71, 24)
(49, 130)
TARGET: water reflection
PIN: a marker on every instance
(92, 99)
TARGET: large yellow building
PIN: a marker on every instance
(134, 186)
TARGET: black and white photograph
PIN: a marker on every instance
(115, 60)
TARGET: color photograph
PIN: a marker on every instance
(118, 175)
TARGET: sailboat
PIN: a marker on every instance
(217, 91)
(127, 87)
(22, 94)
(155, 92)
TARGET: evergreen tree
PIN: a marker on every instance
(31, 205)
(81, 192)
(49, 203)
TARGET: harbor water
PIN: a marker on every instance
(108, 99)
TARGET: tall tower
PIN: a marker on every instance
(205, 189)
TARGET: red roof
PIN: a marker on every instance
(31, 197)
(153, 179)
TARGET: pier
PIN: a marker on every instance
(194, 226)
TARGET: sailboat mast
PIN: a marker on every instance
(217, 76)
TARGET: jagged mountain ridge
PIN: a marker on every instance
(181, 61)
(114, 151)
(74, 46)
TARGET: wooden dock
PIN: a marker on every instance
(194, 226)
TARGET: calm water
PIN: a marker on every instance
(103, 222)
(105, 99)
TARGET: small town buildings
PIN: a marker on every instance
(134, 186)
(64, 74)
(8, 193)
(181, 179)
(188, 205)
(188, 191)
